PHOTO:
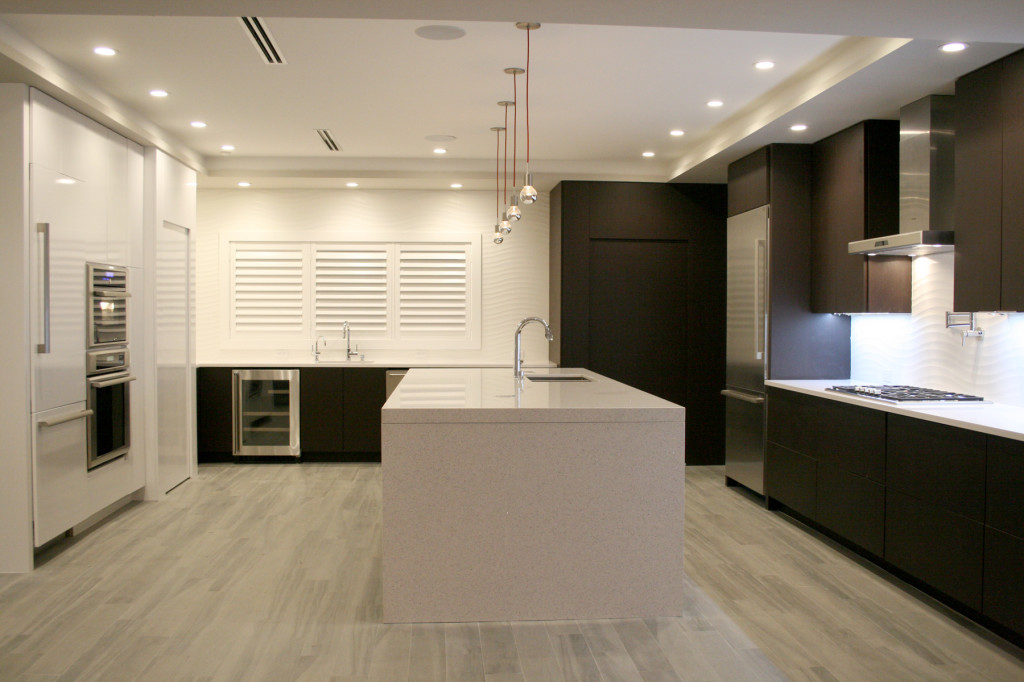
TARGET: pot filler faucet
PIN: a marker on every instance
(517, 366)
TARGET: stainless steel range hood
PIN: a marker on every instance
(926, 183)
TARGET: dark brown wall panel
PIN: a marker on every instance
(1013, 184)
(748, 182)
(213, 411)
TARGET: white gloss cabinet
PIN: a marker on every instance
(57, 250)
(58, 465)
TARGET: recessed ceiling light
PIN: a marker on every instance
(227, 147)
(715, 103)
(158, 93)
(456, 185)
(245, 184)
(440, 138)
(198, 124)
(648, 154)
(798, 127)
(65, 181)
(954, 47)
(351, 184)
(676, 133)
(440, 32)
(440, 150)
(764, 65)
(104, 51)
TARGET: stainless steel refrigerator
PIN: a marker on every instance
(746, 351)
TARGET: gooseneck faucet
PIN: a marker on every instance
(517, 365)
(316, 348)
(347, 331)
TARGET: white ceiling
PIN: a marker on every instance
(609, 80)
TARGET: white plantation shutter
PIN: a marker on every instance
(267, 288)
(350, 283)
(433, 300)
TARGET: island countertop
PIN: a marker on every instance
(495, 395)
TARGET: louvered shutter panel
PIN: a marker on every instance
(432, 291)
(351, 284)
(268, 293)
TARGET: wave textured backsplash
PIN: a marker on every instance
(917, 349)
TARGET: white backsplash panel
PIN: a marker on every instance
(917, 349)
(514, 274)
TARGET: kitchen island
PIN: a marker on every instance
(530, 500)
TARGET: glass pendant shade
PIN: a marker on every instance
(512, 213)
(505, 227)
(528, 194)
(497, 234)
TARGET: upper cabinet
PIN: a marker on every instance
(989, 272)
(854, 196)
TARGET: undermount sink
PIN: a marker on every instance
(557, 377)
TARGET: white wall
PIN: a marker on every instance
(917, 349)
(515, 274)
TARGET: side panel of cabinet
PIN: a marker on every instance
(1013, 184)
(1005, 473)
(936, 546)
(322, 398)
(364, 398)
(213, 411)
(978, 153)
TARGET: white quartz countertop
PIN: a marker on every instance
(993, 418)
(444, 395)
(396, 363)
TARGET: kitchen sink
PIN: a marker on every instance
(557, 377)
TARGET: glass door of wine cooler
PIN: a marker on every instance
(266, 412)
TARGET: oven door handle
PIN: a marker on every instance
(111, 382)
(98, 293)
(64, 418)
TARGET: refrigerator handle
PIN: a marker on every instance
(760, 258)
(43, 233)
(745, 397)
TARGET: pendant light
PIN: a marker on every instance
(505, 223)
(498, 236)
(512, 213)
(528, 194)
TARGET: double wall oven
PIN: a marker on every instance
(108, 367)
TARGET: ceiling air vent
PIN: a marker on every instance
(261, 38)
(328, 139)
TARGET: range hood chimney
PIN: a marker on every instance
(926, 183)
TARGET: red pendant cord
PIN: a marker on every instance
(497, 175)
(527, 98)
(515, 127)
(505, 190)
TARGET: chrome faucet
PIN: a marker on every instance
(347, 331)
(316, 348)
(517, 366)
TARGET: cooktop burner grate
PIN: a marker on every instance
(906, 394)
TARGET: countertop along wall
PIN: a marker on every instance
(514, 274)
(917, 349)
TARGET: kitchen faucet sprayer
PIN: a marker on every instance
(316, 347)
(517, 365)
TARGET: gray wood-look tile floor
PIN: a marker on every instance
(272, 572)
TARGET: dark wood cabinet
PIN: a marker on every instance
(213, 414)
(339, 413)
(935, 505)
(1003, 599)
(989, 153)
(854, 196)
(321, 406)
(826, 460)
(637, 293)
(364, 397)
(801, 345)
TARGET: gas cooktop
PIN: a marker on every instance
(907, 394)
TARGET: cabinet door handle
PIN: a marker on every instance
(111, 382)
(43, 229)
(64, 418)
(760, 287)
(745, 397)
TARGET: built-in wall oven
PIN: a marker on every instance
(108, 369)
